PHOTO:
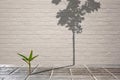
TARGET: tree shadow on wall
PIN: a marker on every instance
(73, 14)
(71, 17)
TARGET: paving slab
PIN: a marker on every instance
(79, 71)
(82, 79)
(103, 77)
(7, 70)
(1, 78)
(9, 65)
(104, 65)
(111, 66)
(118, 76)
(61, 78)
(37, 78)
(15, 77)
(43, 74)
(99, 71)
(76, 66)
(12, 77)
(61, 72)
(115, 71)
(41, 71)
(21, 71)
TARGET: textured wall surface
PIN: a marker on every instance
(32, 24)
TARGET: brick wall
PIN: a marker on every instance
(31, 24)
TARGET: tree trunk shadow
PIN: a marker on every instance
(51, 69)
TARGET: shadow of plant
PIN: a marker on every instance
(71, 17)
(74, 13)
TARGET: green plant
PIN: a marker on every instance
(28, 59)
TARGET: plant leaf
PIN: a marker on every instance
(25, 60)
(24, 57)
(34, 57)
(31, 54)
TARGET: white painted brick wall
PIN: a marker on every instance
(31, 24)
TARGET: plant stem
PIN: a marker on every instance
(29, 68)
